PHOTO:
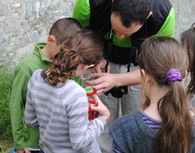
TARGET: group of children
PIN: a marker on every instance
(56, 107)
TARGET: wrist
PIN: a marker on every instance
(117, 82)
(106, 116)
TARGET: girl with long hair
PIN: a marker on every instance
(166, 123)
(58, 106)
(188, 41)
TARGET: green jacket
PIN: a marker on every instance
(23, 72)
(82, 13)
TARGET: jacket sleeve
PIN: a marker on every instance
(168, 28)
(81, 12)
(17, 103)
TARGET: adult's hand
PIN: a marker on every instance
(105, 81)
(102, 83)
(101, 66)
(23, 150)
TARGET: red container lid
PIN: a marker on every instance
(90, 91)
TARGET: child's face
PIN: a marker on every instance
(80, 70)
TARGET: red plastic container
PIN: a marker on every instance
(91, 93)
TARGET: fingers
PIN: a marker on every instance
(102, 109)
(100, 91)
(96, 70)
(100, 83)
(23, 150)
(96, 75)
(92, 82)
(26, 150)
(98, 107)
(97, 99)
(97, 81)
(101, 88)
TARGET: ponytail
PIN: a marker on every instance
(64, 66)
(84, 47)
(165, 60)
(176, 132)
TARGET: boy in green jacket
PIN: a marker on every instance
(41, 57)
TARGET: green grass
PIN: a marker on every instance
(79, 81)
(5, 91)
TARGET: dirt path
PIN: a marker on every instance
(8, 150)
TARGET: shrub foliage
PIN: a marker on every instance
(5, 91)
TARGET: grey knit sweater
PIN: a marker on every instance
(132, 135)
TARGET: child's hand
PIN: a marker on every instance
(23, 150)
(102, 109)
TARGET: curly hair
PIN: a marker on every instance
(85, 47)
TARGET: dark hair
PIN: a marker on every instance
(188, 41)
(85, 47)
(64, 28)
(131, 11)
(159, 55)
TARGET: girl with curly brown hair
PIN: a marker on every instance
(58, 106)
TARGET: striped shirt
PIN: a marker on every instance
(61, 114)
(152, 123)
(149, 121)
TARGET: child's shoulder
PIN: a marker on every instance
(25, 63)
(130, 119)
(74, 85)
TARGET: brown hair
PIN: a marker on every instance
(159, 55)
(64, 28)
(85, 47)
(188, 40)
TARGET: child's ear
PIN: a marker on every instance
(50, 40)
(86, 67)
(147, 78)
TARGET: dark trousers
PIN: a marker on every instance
(34, 151)
(41, 151)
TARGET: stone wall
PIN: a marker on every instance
(25, 22)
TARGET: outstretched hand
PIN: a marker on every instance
(101, 66)
(23, 150)
(103, 82)
(102, 109)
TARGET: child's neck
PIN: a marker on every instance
(47, 53)
(156, 93)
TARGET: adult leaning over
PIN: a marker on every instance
(123, 25)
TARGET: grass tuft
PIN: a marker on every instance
(6, 76)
